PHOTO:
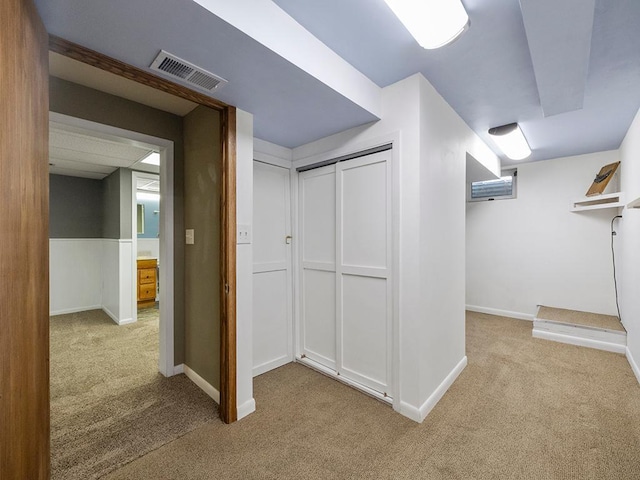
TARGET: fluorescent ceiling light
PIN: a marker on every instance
(510, 139)
(148, 196)
(152, 159)
(433, 23)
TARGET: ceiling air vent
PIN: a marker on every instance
(187, 73)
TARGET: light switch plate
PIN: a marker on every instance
(244, 234)
(189, 236)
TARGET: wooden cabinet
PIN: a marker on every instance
(147, 282)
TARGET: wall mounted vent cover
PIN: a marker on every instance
(186, 73)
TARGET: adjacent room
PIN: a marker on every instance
(377, 242)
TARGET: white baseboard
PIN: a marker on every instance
(273, 364)
(246, 408)
(178, 369)
(579, 341)
(435, 397)
(634, 365)
(64, 311)
(205, 386)
(419, 414)
(124, 321)
(111, 315)
(501, 313)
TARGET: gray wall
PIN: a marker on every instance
(75, 207)
(203, 190)
(82, 102)
(111, 206)
(116, 204)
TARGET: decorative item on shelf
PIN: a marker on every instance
(602, 179)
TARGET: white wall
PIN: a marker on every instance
(149, 247)
(75, 275)
(628, 240)
(445, 140)
(532, 250)
(429, 156)
(244, 265)
(89, 274)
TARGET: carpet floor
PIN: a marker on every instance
(580, 318)
(109, 404)
(522, 409)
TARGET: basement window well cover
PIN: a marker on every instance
(498, 189)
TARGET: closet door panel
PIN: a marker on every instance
(363, 272)
(320, 316)
(318, 252)
(364, 222)
(319, 216)
(364, 330)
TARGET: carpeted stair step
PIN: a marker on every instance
(604, 332)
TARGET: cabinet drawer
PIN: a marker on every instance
(147, 263)
(147, 291)
(147, 275)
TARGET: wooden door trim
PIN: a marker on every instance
(24, 244)
(111, 65)
(228, 396)
(228, 403)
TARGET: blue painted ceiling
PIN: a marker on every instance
(487, 75)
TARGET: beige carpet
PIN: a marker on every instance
(580, 318)
(109, 404)
(522, 409)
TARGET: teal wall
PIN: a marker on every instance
(151, 204)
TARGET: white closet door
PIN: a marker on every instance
(363, 290)
(318, 260)
(272, 305)
(345, 219)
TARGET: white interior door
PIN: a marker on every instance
(272, 303)
(346, 310)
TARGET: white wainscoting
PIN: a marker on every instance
(75, 273)
(125, 282)
(88, 274)
(110, 278)
(149, 247)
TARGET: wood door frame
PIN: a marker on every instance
(228, 403)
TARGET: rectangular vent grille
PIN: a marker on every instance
(186, 72)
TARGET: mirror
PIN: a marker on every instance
(140, 219)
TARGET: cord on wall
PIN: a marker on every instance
(613, 259)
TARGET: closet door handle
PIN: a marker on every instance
(287, 239)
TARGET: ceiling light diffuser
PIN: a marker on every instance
(433, 23)
(510, 139)
(152, 159)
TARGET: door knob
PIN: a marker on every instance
(287, 239)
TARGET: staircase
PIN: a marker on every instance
(604, 332)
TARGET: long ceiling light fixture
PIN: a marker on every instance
(510, 139)
(433, 23)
